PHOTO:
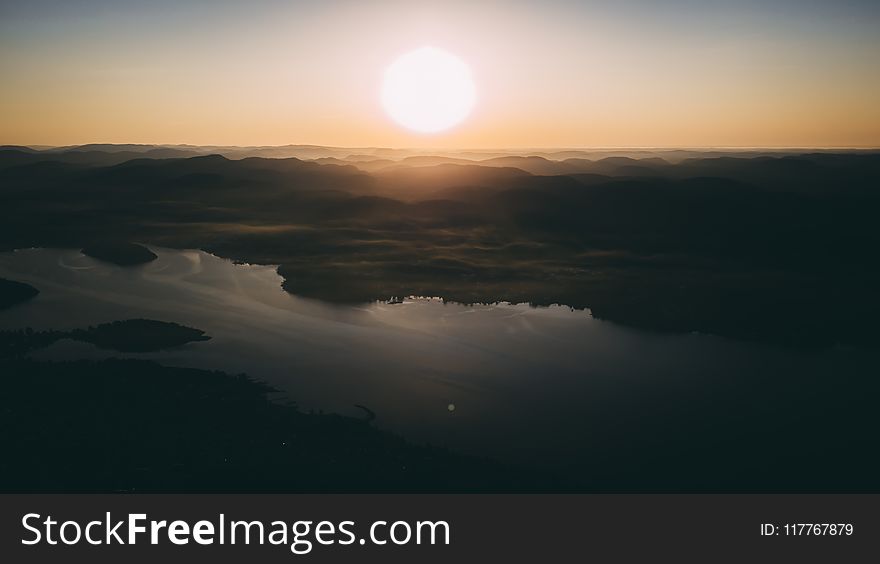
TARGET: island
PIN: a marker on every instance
(120, 253)
(130, 335)
(12, 293)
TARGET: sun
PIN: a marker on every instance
(428, 90)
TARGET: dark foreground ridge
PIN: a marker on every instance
(137, 426)
(120, 253)
(12, 293)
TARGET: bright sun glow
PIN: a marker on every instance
(428, 90)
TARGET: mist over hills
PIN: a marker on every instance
(413, 156)
(759, 245)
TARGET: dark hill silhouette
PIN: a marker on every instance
(19, 148)
(418, 182)
(534, 165)
(125, 148)
(10, 157)
(774, 248)
(136, 426)
(431, 160)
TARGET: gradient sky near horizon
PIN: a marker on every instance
(549, 73)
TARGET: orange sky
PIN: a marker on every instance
(550, 74)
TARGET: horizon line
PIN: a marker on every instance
(39, 146)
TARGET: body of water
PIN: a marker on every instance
(536, 385)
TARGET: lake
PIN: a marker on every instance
(543, 386)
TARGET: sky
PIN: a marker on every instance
(548, 73)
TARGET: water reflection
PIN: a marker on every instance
(521, 383)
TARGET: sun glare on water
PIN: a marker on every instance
(428, 90)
